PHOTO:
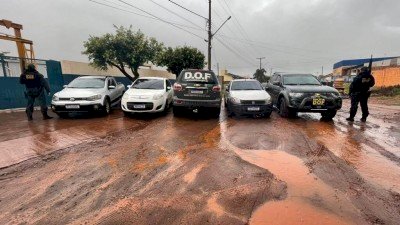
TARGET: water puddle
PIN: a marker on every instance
(309, 200)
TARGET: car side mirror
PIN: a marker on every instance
(111, 87)
(168, 88)
(227, 89)
(65, 86)
(129, 86)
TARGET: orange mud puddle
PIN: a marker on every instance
(309, 200)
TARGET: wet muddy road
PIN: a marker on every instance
(166, 170)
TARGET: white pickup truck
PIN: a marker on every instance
(88, 94)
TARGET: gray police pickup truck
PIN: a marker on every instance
(197, 90)
(293, 93)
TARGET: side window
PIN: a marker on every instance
(113, 82)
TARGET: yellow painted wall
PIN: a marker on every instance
(225, 75)
(81, 68)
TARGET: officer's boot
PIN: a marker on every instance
(363, 119)
(45, 116)
(29, 114)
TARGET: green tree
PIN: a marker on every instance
(126, 49)
(260, 75)
(181, 58)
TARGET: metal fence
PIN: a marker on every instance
(12, 92)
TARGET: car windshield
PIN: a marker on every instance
(246, 85)
(87, 83)
(300, 80)
(153, 84)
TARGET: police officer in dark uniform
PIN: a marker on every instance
(360, 92)
(36, 86)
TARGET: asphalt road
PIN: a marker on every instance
(196, 170)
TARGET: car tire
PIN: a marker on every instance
(328, 115)
(229, 111)
(284, 110)
(166, 108)
(107, 107)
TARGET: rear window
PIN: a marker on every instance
(246, 85)
(153, 84)
(197, 77)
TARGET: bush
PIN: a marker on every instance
(387, 91)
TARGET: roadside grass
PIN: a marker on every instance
(387, 91)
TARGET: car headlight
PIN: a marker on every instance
(268, 101)
(157, 97)
(235, 100)
(94, 98)
(295, 95)
(55, 98)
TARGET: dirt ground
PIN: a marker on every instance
(195, 170)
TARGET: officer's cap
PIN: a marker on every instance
(31, 67)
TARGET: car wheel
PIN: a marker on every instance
(328, 115)
(166, 107)
(284, 110)
(107, 107)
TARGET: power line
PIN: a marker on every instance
(234, 52)
(189, 10)
(176, 14)
(160, 19)
(138, 14)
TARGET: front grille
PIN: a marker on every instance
(249, 102)
(148, 105)
(74, 99)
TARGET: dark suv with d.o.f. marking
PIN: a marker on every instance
(292, 93)
(197, 90)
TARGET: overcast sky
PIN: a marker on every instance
(293, 35)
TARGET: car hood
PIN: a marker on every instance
(143, 92)
(250, 94)
(78, 92)
(310, 89)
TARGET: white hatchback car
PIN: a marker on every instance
(147, 95)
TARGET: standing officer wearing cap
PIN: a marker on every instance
(35, 86)
(360, 92)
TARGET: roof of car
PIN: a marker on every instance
(248, 79)
(294, 74)
(92, 77)
(153, 78)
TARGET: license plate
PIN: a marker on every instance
(72, 106)
(318, 101)
(196, 92)
(139, 106)
(253, 109)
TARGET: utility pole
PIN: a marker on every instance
(261, 58)
(322, 73)
(209, 35)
